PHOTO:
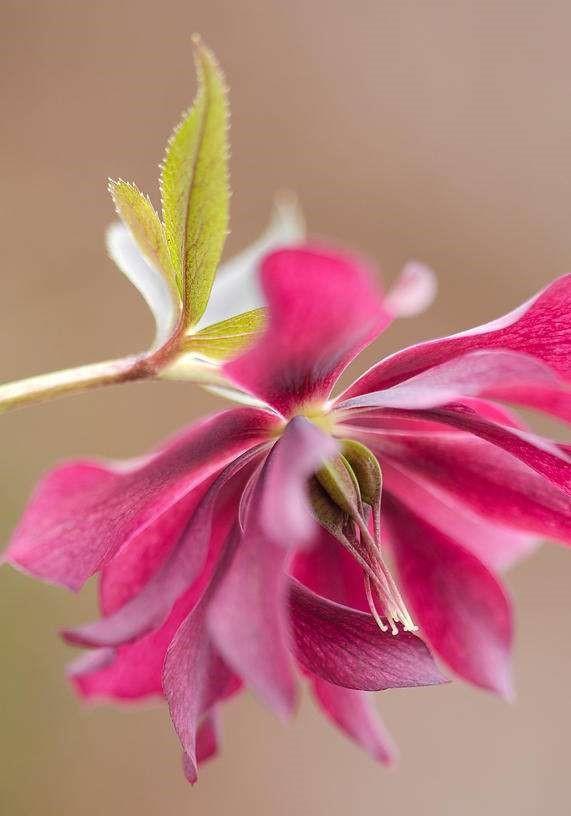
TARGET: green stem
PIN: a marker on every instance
(71, 381)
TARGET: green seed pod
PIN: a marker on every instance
(367, 470)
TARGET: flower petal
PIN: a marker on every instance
(193, 558)
(497, 546)
(474, 374)
(323, 309)
(82, 513)
(541, 327)
(236, 287)
(248, 616)
(354, 713)
(459, 605)
(413, 291)
(481, 476)
(282, 492)
(346, 647)
(195, 677)
(150, 281)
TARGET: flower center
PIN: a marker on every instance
(346, 500)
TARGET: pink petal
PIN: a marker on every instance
(248, 617)
(481, 476)
(327, 569)
(196, 552)
(497, 546)
(537, 453)
(322, 310)
(346, 647)
(248, 622)
(131, 672)
(207, 740)
(413, 291)
(282, 489)
(459, 605)
(477, 373)
(540, 328)
(354, 713)
(195, 677)
(82, 513)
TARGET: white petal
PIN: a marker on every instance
(413, 291)
(150, 282)
(236, 288)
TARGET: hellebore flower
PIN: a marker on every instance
(317, 532)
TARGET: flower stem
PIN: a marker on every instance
(70, 381)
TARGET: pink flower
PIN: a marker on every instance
(214, 572)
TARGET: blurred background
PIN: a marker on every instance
(435, 129)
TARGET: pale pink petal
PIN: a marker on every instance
(207, 745)
(346, 647)
(282, 509)
(413, 291)
(322, 310)
(459, 605)
(499, 547)
(248, 616)
(354, 713)
(541, 327)
(476, 374)
(248, 622)
(82, 513)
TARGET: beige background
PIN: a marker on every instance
(439, 130)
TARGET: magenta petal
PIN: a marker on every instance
(81, 514)
(354, 713)
(497, 546)
(541, 328)
(195, 678)
(207, 740)
(486, 478)
(460, 606)
(539, 454)
(322, 310)
(248, 621)
(346, 647)
(206, 531)
(477, 373)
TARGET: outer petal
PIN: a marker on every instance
(195, 677)
(82, 513)
(150, 282)
(495, 545)
(541, 327)
(330, 571)
(459, 605)
(248, 616)
(481, 476)
(346, 647)
(354, 713)
(196, 552)
(236, 287)
(323, 309)
(475, 374)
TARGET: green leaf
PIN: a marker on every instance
(225, 339)
(194, 188)
(137, 212)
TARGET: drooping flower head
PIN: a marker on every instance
(261, 538)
